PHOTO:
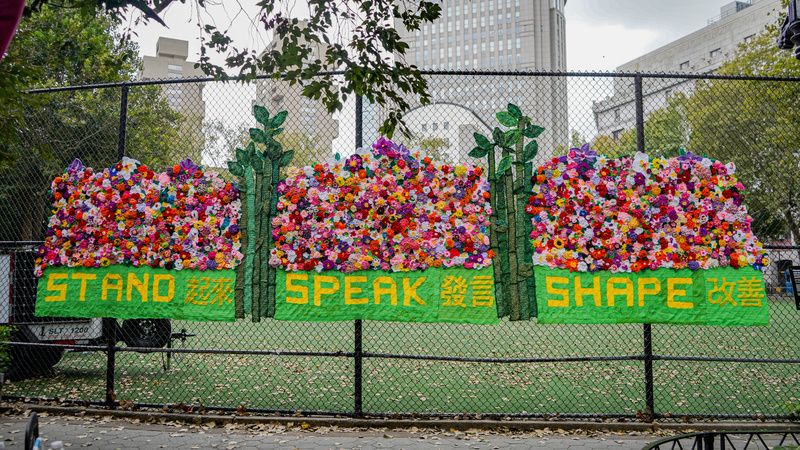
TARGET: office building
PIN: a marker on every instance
(171, 61)
(490, 35)
(309, 128)
(702, 51)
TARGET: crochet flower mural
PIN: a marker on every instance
(384, 234)
(601, 226)
(130, 242)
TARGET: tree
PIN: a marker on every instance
(45, 132)
(433, 146)
(755, 124)
(360, 56)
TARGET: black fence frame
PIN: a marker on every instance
(649, 413)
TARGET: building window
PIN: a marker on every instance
(519, 43)
(174, 71)
(616, 115)
(449, 26)
(684, 65)
(715, 53)
(616, 134)
(446, 125)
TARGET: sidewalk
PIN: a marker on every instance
(107, 433)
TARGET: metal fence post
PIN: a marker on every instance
(358, 349)
(110, 324)
(647, 329)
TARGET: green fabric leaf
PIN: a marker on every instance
(514, 111)
(286, 158)
(258, 135)
(497, 135)
(532, 131)
(242, 156)
(531, 149)
(504, 165)
(258, 164)
(235, 168)
(278, 119)
(505, 118)
(511, 137)
(478, 152)
(482, 141)
(261, 114)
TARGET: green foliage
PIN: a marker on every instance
(531, 149)
(41, 134)
(507, 119)
(750, 123)
(478, 152)
(504, 165)
(5, 349)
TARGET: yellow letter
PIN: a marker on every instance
(301, 289)
(141, 286)
(108, 285)
(612, 291)
(581, 291)
(319, 290)
(349, 290)
(158, 278)
(60, 288)
(84, 277)
(391, 289)
(672, 293)
(410, 291)
(551, 289)
(642, 282)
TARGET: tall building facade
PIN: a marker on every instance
(309, 128)
(702, 51)
(490, 35)
(171, 61)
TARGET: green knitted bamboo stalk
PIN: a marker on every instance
(256, 307)
(497, 266)
(513, 266)
(266, 234)
(269, 308)
(238, 298)
(520, 198)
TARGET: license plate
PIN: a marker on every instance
(64, 331)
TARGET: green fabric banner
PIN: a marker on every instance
(433, 295)
(126, 292)
(722, 296)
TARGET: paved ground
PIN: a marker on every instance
(107, 433)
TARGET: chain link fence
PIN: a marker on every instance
(383, 368)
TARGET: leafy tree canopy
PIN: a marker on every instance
(362, 56)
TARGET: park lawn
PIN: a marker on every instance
(431, 387)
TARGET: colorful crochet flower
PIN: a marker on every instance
(630, 214)
(384, 210)
(183, 218)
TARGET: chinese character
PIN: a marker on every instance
(197, 293)
(749, 291)
(723, 290)
(221, 291)
(482, 291)
(454, 290)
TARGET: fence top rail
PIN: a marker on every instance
(498, 73)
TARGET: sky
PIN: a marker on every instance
(601, 35)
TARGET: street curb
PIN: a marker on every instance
(444, 424)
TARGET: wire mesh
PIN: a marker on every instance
(567, 370)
